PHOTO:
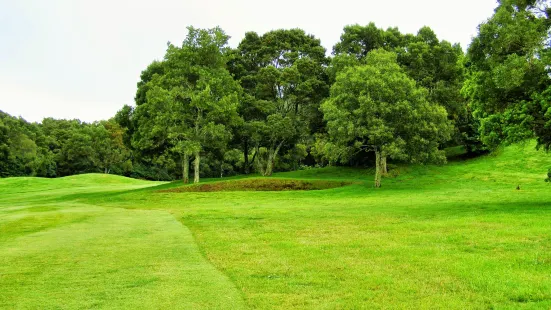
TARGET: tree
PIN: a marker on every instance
(67, 149)
(107, 140)
(18, 149)
(283, 76)
(435, 65)
(377, 108)
(508, 76)
(359, 40)
(4, 149)
(77, 154)
(190, 98)
(244, 64)
(123, 118)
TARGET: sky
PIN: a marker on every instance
(82, 59)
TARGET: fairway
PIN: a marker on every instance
(458, 236)
(61, 253)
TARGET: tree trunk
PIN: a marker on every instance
(269, 164)
(260, 167)
(271, 158)
(185, 167)
(196, 165)
(197, 154)
(384, 170)
(253, 160)
(258, 161)
(378, 167)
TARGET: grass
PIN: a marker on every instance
(458, 236)
(59, 253)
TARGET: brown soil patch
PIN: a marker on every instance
(259, 185)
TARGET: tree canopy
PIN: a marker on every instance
(189, 100)
(377, 107)
(278, 102)
(508, 74)
(283, 76)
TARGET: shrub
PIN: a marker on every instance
(257, 184)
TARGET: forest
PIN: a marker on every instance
(278, 102)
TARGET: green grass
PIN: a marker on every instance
(458, 236)
(57, 252)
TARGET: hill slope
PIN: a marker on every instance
(455, 236)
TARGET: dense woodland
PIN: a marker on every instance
(277, 102)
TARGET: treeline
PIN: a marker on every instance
(277, 102)
(55, 148)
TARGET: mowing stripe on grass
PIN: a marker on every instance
(91, 257)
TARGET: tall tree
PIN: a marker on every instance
(189, 99)
(18, 149)
(435, 65)
(282, 73)
(508, 78)
(123, 118)
(107, 140)
(359, 40)
(377, 108)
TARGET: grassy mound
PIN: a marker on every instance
(261, 185)
(12, 190)
(90, 179)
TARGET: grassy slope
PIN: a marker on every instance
(57, 252)
(458, 236)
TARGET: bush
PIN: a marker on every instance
(141, 171)
(548, 176)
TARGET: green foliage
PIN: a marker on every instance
(508, 73)
(377, 107)
(259, 106)
(156, 170)
(58, 147)
(283, 76)
(109, 145)
(540, 109)
(123, 118)
(435, 65)
(190, 98)
(358, 40)
(548, 176)
(18, 149)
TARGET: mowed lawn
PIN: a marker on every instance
(459, 236)
(59, 253)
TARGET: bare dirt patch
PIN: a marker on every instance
(262, 185)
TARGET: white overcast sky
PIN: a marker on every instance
(82, 59)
